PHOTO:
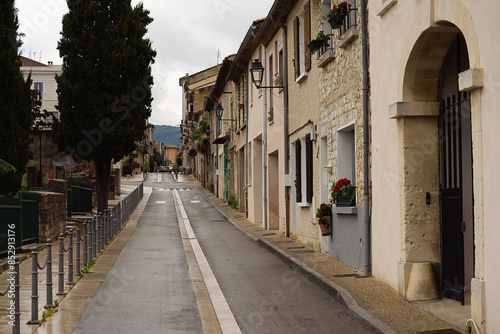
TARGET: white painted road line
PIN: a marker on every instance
(224, 314)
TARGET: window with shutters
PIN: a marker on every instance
(38, 87)
(304, 170)
(302, 37)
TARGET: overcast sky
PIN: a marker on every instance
(186, 34)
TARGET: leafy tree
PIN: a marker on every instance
(158, 158)
(15, 102)
(105, 86)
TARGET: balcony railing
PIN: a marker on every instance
(350, 21)
(329, 47)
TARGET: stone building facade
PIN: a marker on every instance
(341, 128)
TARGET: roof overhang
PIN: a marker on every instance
(222, 140)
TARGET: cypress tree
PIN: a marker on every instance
(104, 90)
(15, 103)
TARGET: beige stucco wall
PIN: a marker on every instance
(304, 107)
(275, 139)
(392, 38)
(254, 128)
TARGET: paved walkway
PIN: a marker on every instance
(79, 292)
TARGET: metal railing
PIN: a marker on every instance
(97, 232)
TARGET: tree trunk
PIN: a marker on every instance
(102, 168)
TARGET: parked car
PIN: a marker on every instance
(163, 169)
(170, 168)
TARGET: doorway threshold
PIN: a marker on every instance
(449, 310)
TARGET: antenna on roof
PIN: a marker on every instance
(218, 56)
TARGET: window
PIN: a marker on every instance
(304, 169)
(38, 87)
(280, 61)
(346, 153)
(302, 37)
(271, 80)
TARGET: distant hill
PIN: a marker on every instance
(168, 134)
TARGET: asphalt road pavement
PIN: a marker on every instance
(154, 285)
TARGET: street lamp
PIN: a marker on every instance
(257, 72)
(218, 111)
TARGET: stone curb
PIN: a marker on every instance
(334, 290)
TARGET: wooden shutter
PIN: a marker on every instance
(309, 169)
(298, 171)
(307, 35)
(296, 46)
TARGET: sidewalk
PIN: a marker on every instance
(369, 297)
(79, 295)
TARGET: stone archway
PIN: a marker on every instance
(419, 151)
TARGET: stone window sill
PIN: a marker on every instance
(348, 37)
(345, 210)
(303, 204)
(385, 7)
(326, 58)
(301, 77)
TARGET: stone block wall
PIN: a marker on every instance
(53, 211)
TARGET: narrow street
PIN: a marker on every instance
(186, 269)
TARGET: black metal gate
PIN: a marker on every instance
(453, 271)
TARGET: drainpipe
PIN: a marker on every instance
(285, 125)
(366, 233)
(264, 142)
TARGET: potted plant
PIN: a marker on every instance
(318, 43)
(324, 214)
(278, 79)
(343, 193)
(337, 15)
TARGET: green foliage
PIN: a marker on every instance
(47, 313)
(15, 102)
(158, 158)
(104, 90)
(6, 168)
(168, 134)
(233, 202)
(178, 159)
(146, 166)
(201, 132)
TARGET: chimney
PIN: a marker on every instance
(51, 63)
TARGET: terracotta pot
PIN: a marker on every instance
(326, 230)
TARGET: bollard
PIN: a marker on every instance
(106, 227)
(17, 299)
(91, 233)
(77, 266)
(70, 258)
(34, 287)
(94, 231)
(48, 284)
(109, 225)
(61, 266)
(103, 229)
(85, 245)
(98, 235)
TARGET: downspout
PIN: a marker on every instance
(264, 141)
(285, 125)
(366, 231)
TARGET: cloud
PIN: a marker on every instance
(186, 35)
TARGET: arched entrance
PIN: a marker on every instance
(435, 169)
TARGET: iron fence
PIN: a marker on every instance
(23, 215)
(96, 233)
(79, 198)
